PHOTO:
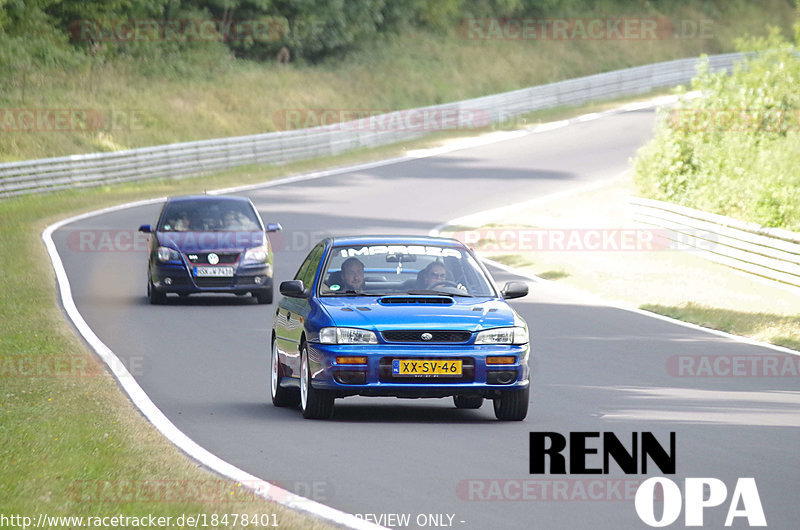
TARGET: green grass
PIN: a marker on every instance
(512, 260)
(212, 96)
(554, 275)
(779, 329)
(63, 432)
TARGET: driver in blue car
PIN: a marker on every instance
(352, 275)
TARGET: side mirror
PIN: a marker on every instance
(146, 229)
(293, 289)
(514, 290)
(274, 227)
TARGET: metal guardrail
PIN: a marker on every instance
(771, 253)
(207, 156)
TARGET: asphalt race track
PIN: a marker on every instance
(204, 361)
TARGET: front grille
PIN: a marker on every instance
(202, 257)
(214, 282)
(467, 372)
(416, 335)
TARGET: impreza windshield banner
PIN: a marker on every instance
(420, 250)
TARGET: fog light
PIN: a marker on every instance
(351, 360)
(168, 281)
(501, 377)
(357, 377)
(258, 280)
(501, 359)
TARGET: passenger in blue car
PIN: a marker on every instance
(432, 275)
(352, 275)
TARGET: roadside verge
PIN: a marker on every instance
(586, 240)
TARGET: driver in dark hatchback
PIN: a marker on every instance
(209, 244)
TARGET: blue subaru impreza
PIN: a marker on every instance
(409, 317)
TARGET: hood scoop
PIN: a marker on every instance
(416, 300)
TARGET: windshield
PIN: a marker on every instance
(208, 216)
(403, 269)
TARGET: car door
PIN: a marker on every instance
(292, 313)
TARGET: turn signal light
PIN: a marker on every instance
(351, 360)
(501, 359)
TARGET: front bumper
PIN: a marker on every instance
(176, 278)
(376, 378)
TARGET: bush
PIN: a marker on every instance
(736, 149)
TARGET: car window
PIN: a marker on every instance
(222, 215)
(310, 265)
(393, 269)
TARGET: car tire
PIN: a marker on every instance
(264, 297)
(281, 396)
(468, 402)
(316, 404)
(155, 297)
(512, 405)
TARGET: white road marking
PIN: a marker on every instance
(159, 420)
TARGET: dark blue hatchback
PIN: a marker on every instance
(209, 244)
(409, 317)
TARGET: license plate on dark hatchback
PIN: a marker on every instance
(213, 272)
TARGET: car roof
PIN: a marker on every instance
(394, 240)
(209, 198)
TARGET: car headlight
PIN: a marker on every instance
(347, 336)
(515, 335)
(257, 254)
(166, 254)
